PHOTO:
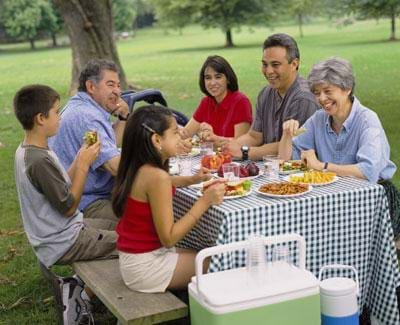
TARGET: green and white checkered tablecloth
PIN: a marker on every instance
(346, 222)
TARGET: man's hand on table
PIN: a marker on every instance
(234, 148)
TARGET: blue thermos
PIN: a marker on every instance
(339, 297)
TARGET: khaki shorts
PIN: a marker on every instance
(96, 240)
(148, 272)
(100, 209)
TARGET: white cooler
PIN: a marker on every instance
(285, 294)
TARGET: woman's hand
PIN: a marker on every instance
(206, 132)
(310, 159)
(184, 146)
(290, 127)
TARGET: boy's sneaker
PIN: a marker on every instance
(76, 310)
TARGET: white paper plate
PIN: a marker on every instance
(260, 173)
(285, 195)
(200, 193)
(335, 178)
(199, 185)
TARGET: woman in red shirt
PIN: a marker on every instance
(224, 112)
(142, 197)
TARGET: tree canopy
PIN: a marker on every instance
(378, 9)
(25, 19)
(225, 15)
(124, 12)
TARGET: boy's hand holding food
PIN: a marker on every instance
(89, 150)
(90, 137)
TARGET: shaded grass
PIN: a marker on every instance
(171, 62)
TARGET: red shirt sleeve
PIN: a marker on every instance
(242, 110)
(200, 115)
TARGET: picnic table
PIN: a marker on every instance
(346, 222)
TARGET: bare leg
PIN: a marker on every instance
(185, 268)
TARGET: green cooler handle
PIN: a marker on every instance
(244, 244)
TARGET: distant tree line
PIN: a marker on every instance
(29, 20)
(231, 14)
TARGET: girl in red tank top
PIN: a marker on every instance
(142, 198)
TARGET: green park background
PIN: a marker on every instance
(171, 62)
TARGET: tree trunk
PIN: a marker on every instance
(393, 25)
(300, 21)
(54, 39)
(90, 29)
(32, 43)
(229, 41)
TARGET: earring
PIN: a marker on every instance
(160, 148)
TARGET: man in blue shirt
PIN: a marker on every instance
(90, 109)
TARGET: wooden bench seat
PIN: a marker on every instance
(130, 307)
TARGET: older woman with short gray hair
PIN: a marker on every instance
(344, 137)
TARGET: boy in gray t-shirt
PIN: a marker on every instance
(49, 196)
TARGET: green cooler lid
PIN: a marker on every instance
(239, 285)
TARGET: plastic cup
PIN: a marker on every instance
(206, 148)
(282, 261)
(231, 171)
(256, 260)
(281, 254)
(185, 164)
(271, 166)
(173, 166)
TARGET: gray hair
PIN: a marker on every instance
(334, 71)
(93, 71)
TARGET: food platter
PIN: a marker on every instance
(260, 173)
(229, 197)
(320, 183)
(291, 167)
(307, 189)
(195, 151)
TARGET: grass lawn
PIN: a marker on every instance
(171, 62)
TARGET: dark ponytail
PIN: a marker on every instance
(138, 150)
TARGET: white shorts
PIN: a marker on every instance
(148, 272)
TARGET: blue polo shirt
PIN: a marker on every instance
(361, 141)
(82, 114)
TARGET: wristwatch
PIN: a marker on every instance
(121, 118)
(245, 152)
(325, 169)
